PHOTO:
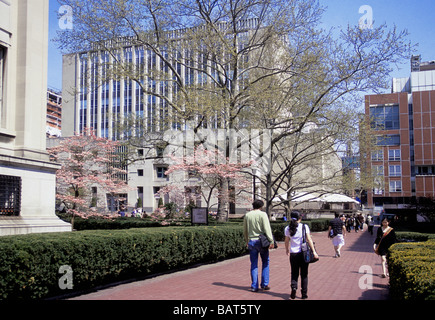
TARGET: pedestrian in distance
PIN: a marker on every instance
(256, 223)
(293, 241)
(385, 238)
(360, 218)
(356, 223)
(349, 223)
(336, 232)
(370, 224)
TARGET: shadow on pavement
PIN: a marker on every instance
(283, 296)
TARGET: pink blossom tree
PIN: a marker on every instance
(86, 161)
(208, 168)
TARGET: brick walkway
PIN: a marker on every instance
(346, 278)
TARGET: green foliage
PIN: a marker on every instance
(99, 223)
(30, 264)
(412, 272)
(315, 225)
(411, 236)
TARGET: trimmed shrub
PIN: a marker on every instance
(412, 272)
(316, 225)
(30, 264)
(409, 236)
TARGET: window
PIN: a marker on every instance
(385, 117)
(378, 155)
(140, 173)
(395, 186)
(388, 140)
(394, 155)
(10, 196)
(425, 170)
(395, 171)
(160, 151)
(161, 172)
(140, 152)
(378, 171)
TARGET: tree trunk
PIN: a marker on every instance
(222, 212)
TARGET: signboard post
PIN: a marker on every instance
(199, 216)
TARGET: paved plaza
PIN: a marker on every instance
(353, 276)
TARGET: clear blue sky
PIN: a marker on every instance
(417, 16)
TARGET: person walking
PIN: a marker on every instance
(370, 224)
(360, 218)
(349, 223)
(385, 238)
(255, 223)
(338, 232)
(356, 223)
(293, 241)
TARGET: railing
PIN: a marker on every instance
(10, 195)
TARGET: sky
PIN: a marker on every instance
(417, 16)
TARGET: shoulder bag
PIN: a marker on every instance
(383, 236)
(306, 249)
(265, 243)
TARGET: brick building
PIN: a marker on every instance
(405, 124)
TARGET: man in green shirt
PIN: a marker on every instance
(256, 222)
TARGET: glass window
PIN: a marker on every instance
(395, 186)
(378, 155)
(161, 172)
(385, 117)
(394, 155)
(378, 170)
(395, 171)
(388, 140)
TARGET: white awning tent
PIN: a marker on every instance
(338, 198)
(299, 197)
(309, 197)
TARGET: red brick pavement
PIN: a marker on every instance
(353, 276)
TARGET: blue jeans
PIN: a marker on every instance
(255, 248)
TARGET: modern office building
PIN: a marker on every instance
(404, 121)
(27, 177)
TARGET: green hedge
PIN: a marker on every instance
(30, 264)
(99, 223)
(410, 236)
(412, 272)
(315, 225)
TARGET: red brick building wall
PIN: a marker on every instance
(417, 115)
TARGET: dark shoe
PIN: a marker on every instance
(293, 294)
(304, 296)
(254, 290)
(266, 288)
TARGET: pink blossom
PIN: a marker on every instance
(87, 161)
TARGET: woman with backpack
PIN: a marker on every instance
(293, 242)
